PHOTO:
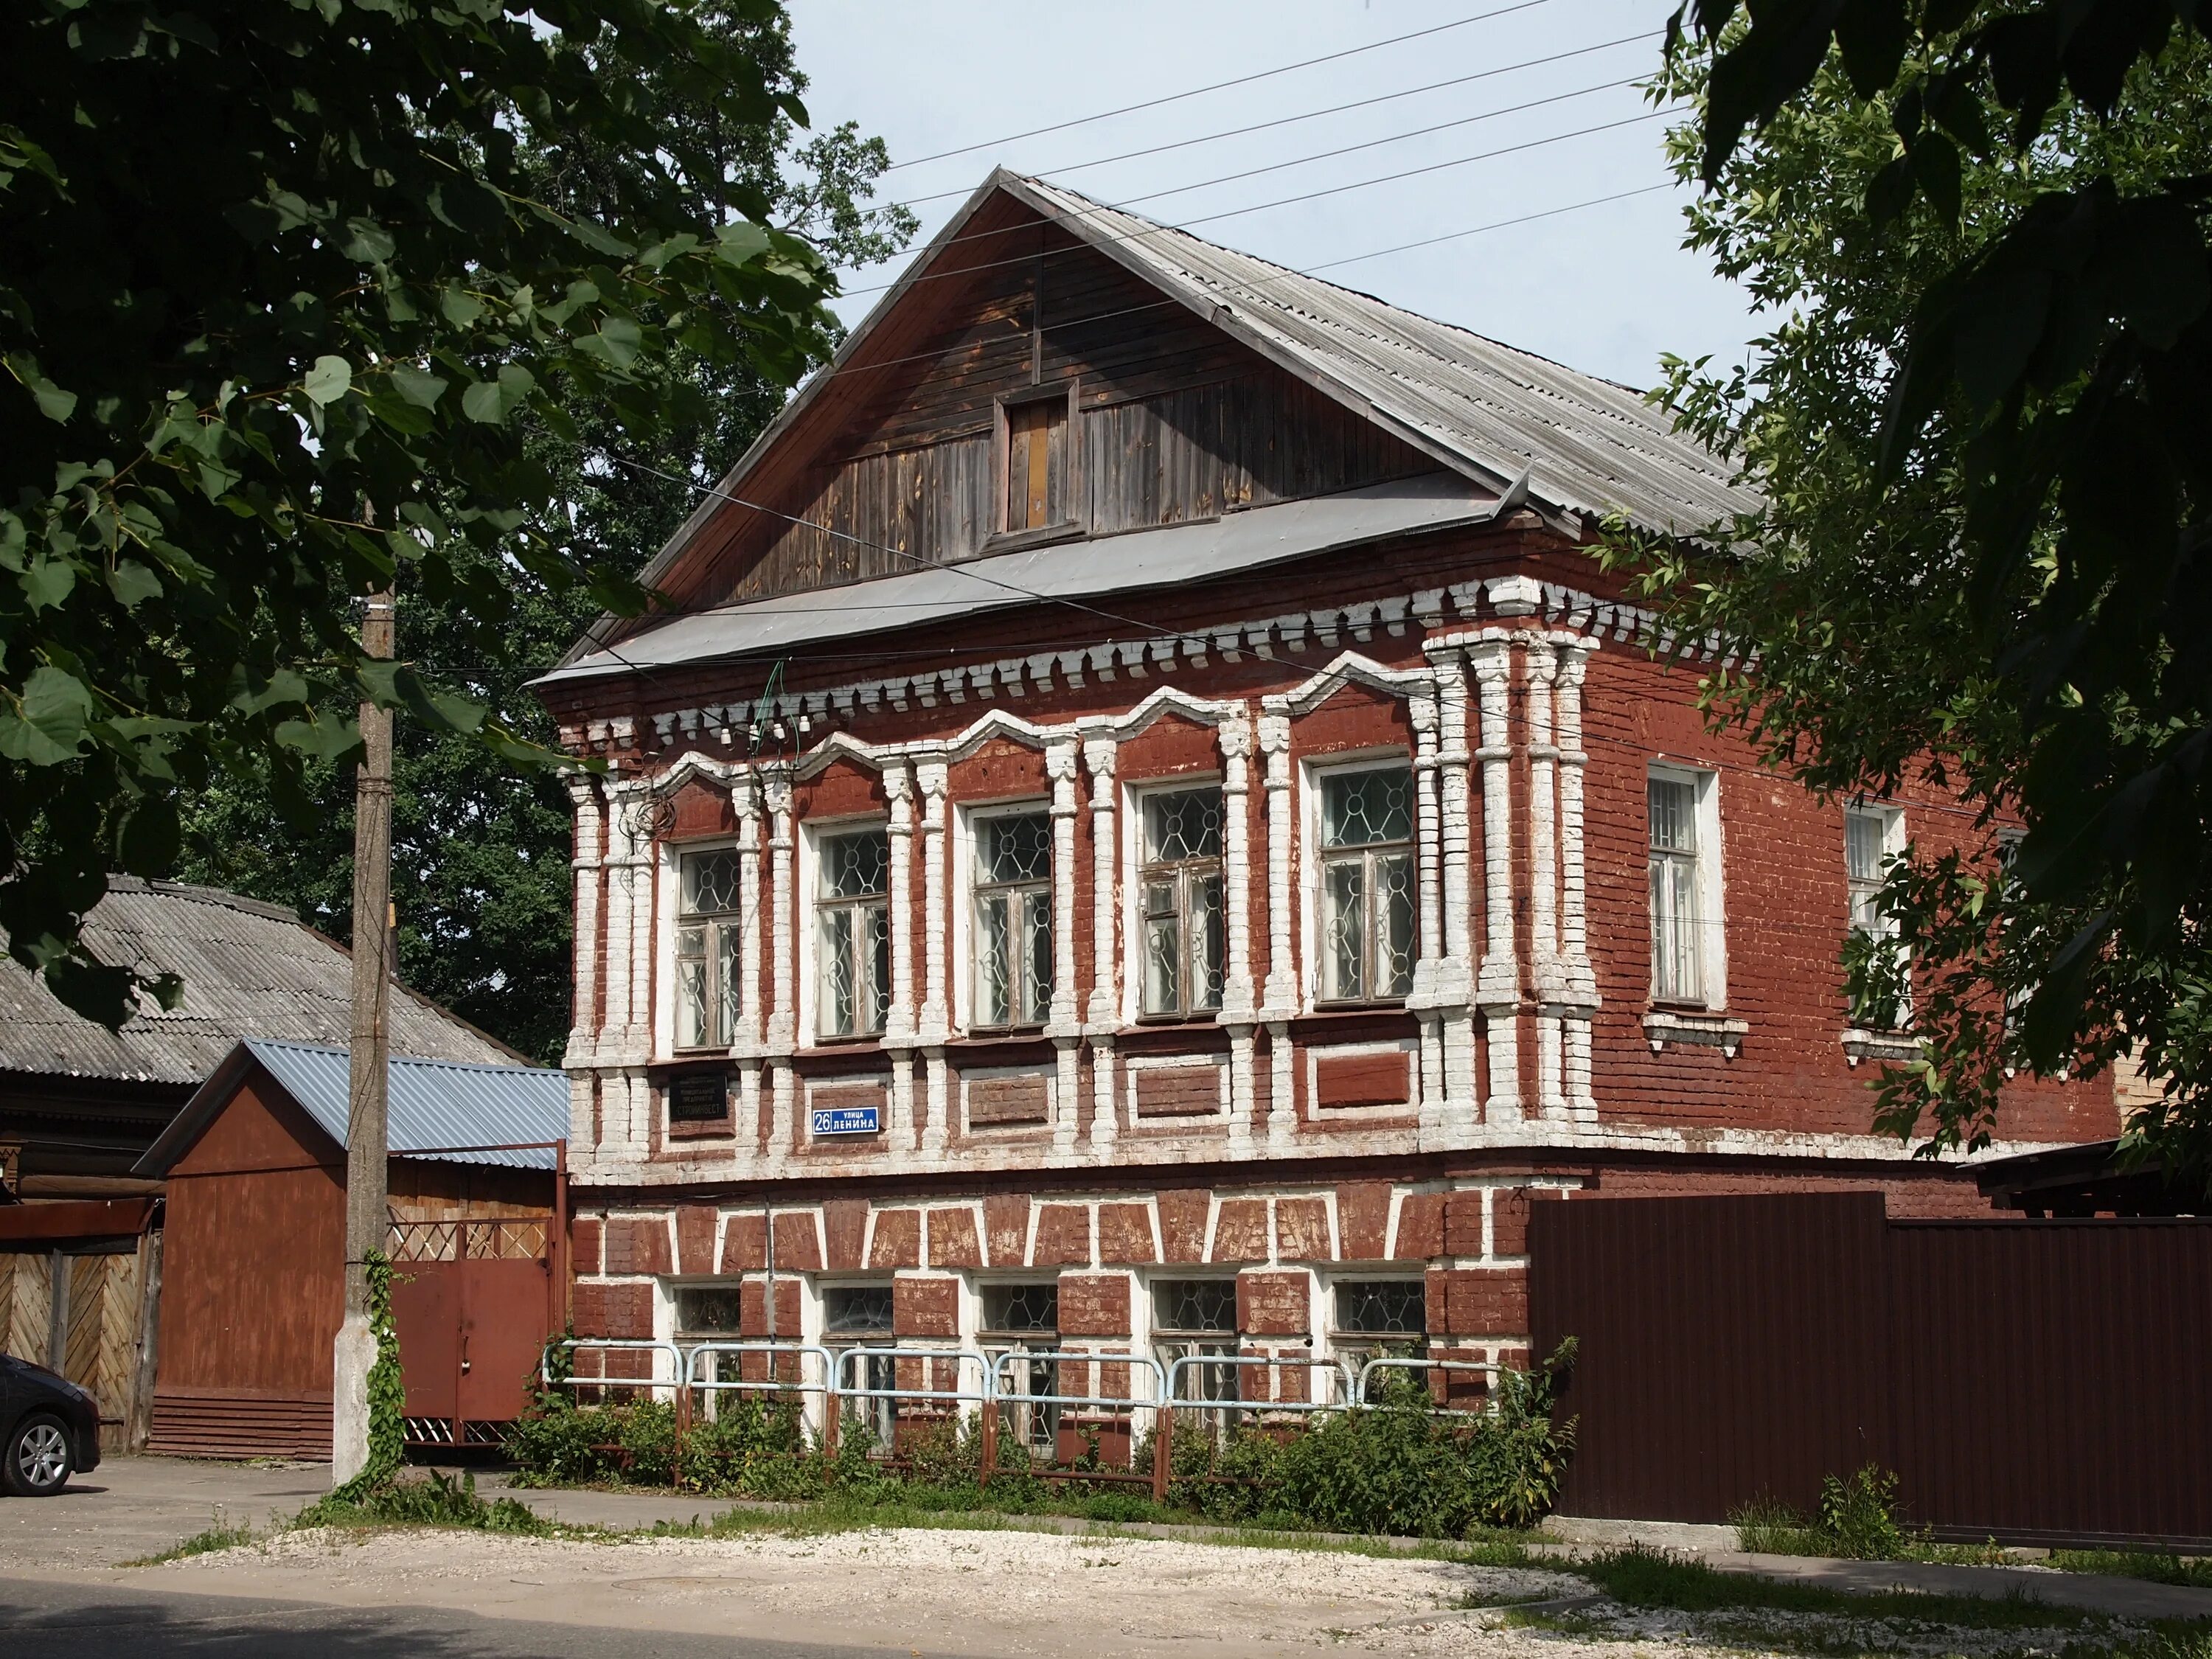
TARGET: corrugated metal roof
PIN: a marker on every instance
(249, 968)
(433, 1103)
(1116, 564)
(1591, 447)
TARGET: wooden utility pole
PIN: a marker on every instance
(369, 1062)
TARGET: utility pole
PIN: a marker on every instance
(369, 1059)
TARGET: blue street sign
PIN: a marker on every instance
(846, 1120)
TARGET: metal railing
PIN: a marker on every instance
(991, 1391)
(1404, 1363)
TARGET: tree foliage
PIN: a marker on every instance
(1983, 423)
(285, 291)
(480, 845)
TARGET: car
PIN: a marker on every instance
(49, 1430)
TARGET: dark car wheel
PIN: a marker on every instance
(37, 1464)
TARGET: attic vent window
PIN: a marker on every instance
(1037, 465)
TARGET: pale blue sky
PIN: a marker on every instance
(1606, 289)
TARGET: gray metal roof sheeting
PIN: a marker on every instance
(1120, 563)
(431, 1104)
(1591, 447)
(249, 970)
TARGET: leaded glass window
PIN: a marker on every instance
(1179, 890)
(1195, 1319)
(709, 984)
(1677, 958)
(1382, 1307)
(1013, 920)
(854, 939)
(1366, 885)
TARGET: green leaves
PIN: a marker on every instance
(329, 380)
(45, 723)
(53, 403)
(491, 402)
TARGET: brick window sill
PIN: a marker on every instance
(1664, 1025)
(1889, 1048)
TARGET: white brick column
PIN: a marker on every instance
(782, 1034)
(931, 778)
(1103, 1017)
(1543, 669)
(1279, 996)
(1233, 735)
(1428, 911)
(899, 1018)
(1455, 979)
(587, 863)
(745, 1047)
(1581, 998)
(1497, 980)
(1062, 1023)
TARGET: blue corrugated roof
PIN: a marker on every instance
(433, 1103)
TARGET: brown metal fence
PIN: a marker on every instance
(2031, 1381)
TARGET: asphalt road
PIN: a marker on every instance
(48, 1619)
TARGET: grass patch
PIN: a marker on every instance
(437, 1501)
(2193, 1572)
(221, 1534)
(1645, 1579)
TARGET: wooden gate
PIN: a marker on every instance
(84, 1307)
(473, 1303)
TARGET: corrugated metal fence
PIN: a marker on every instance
(2033, 1381)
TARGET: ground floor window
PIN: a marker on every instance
(1193, 1321)
(859, 1316)
(1377, 1318)
(1021, 1337)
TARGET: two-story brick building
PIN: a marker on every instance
(1144, 822)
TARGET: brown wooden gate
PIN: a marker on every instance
(2031, 1381)
(472, 1302)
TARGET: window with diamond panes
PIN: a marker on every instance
(1382, 1307)
(1366, 885)
(708, 981)
(1677, 954)
(1013, 920)
(1196, 1320)
(859, 1316)
(857, 1309)
(1868, 834)
(1179, 890)
(1021, 1330)
(853, 936)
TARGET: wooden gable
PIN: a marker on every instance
(1025, 387)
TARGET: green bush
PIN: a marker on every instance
(1398, 1466)
(1858, 1514)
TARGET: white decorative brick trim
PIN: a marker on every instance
(1889, 1047)
(1662, 1026)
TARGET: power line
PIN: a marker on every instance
(1496, 224)
(1219, 85)
(1157, 228)
(1305, 115)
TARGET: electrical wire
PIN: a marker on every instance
(1220, 86)
(1184, 226)
(1303, 115)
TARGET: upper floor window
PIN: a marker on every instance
(1180, 891)
(1366, 884)
(853, 925)
(1038, 463)
(709, 982)
(1013, 918)
(1678, 898)
(1872, 835)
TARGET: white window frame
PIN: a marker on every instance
(1309, 863)
(669, 880)
(1712, 906)
(963, 899)
(1132, 895)
(1892, 820)
(813, 833)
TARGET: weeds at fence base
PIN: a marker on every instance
(439, 1500)
(1857, 1521)
(2157, 1567)
(221, 1534)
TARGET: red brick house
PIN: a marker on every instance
(1145, 824)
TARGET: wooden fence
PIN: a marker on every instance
(2029, 1381)
(87, 1315)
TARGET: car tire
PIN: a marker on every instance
(36, 1463)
